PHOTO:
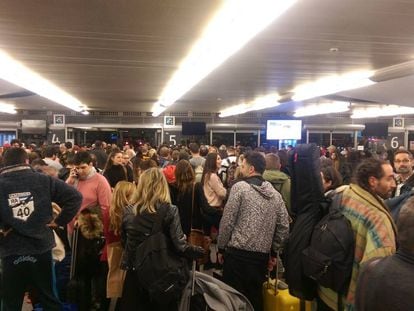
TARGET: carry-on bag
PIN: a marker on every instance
(76, 286)
(275, 299)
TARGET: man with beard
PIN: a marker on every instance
(374, 230)
(254, 225)
(403, 164)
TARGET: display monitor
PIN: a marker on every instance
(284, 129)
(376, 130)
(194, 128)
(34, 127)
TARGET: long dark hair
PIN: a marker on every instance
(210, 167)
(109, 161)
(184, 176)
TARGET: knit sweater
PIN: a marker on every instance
(254, 219)
(214, 191)
(375, 234)
(95, 191)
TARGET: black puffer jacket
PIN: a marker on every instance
(136, 228)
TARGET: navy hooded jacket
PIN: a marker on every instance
(26, 200)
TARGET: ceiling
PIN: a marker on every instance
(118, 55)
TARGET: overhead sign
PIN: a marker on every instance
(59, 119)
(169, 121)
(398, 122)
(395, 140)
(56, 136)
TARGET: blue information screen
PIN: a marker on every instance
(7, 137)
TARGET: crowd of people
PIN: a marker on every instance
(107, 200)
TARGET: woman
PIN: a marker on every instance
(115, 171)
(141, 165)
(336, 159)
(151, 206)
(112, 230)
(212, 185)
(331, 179)
(126, 158)
(183, 192)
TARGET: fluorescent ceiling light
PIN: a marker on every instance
(231, 28)
(380, 111)
(263, 102)
(16, 73)
(322, 108)
(332, 85)
(7, 108)
(157, 109)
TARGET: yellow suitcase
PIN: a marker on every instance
(280, 300)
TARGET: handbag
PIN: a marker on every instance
(197, 237)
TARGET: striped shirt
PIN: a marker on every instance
(375, 235)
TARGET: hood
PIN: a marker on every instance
(264, 188)
(275, 176)
(90, 225)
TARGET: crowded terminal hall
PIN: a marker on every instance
(228, 155)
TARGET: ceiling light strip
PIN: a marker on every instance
(237, 22)
(322, 108)
(14, 72)
(332, 85)
(7, 108)
(260, 103)
(381, 111)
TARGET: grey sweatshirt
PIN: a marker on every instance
(254, 219)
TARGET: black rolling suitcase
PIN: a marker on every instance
(76, 286)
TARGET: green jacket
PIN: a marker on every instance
(281, 182)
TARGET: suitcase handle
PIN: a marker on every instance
(277, 274)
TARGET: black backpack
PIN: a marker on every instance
(329, 258)
(160, 270)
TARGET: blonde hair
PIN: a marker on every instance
(121, 198)
(152, 189)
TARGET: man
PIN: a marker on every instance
(373, 227)
(228, 166)
(51, 156)
(196, 159)
(96, 192)
(403, 164)
(254, 225)
(94, 187)
(403, 161)
(279, 180)
(100, 154)
(16, 143)
(164, 156)
(65, 152)
(387, 283)
(26, 237)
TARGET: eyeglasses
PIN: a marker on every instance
(405, 161)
